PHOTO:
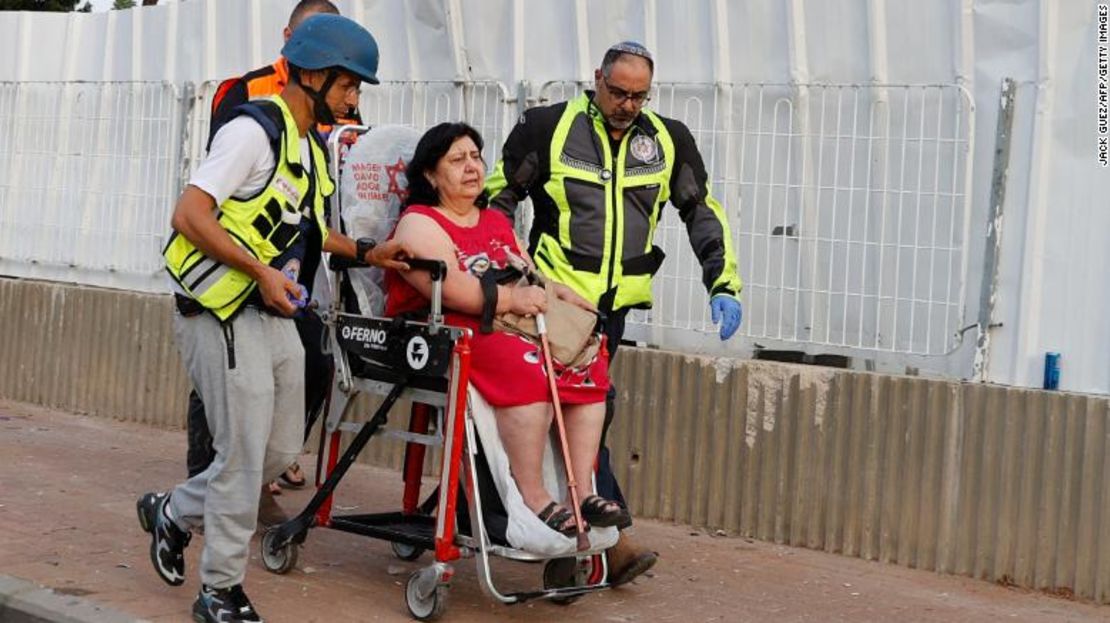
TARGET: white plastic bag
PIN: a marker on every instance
(373, 187)
(525, 530)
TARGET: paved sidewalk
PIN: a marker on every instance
(67, 521)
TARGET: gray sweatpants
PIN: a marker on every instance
(251, 379)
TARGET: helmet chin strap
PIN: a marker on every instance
(320, 109)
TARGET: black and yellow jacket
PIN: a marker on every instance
(598, 201)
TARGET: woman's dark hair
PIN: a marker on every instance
(429, 150)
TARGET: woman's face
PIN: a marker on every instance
(460, 174)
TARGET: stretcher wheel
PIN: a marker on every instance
(282, 559)
(425, 594)
(406, 552)
(565, 573)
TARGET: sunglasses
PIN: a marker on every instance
(639, 98)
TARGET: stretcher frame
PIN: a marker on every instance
(437, 388)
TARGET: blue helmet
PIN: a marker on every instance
(325, 40)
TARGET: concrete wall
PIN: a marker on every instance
(997, 483)
(96, 351)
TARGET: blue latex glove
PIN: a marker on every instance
(726, 311)
(301, 299)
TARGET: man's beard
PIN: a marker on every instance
(620, 124)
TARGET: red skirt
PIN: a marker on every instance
(508, 370)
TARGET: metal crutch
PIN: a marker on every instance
(541, 327)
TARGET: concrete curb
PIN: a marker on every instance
(26, 602)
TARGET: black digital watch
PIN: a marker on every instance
(364, 246)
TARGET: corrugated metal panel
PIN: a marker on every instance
(102, 352)
(112, 353)
(1003, 484)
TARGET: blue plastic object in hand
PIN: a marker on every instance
(301, 298)
(726, 311)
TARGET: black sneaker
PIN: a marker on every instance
(167, 541)
(223, 605)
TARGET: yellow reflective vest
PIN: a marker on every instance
(265, 224)
(598, 201)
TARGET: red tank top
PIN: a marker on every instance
(477, 248)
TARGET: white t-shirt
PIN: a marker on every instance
(240, 161)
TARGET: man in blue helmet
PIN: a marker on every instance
(261, 188)
(319, 366)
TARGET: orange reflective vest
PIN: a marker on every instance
(260, 83)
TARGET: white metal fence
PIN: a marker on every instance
(87, 171)
(849, 208)
(420, 104)
(849, 204)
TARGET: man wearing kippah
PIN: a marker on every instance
(600, 168)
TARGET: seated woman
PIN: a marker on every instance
(445, 219)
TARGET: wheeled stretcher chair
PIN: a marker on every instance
(427, 362)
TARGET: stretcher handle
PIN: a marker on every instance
(337, 263)
(436, 269)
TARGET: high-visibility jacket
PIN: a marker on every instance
(598, 201)
(265, 224)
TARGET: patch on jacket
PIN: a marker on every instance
(288, 190)
(643, 148)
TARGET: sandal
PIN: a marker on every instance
(292, 477)
(603, 513)
(273, 488)
(559, 519)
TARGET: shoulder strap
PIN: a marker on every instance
(317, 138)
(269, 116)
(266, 113)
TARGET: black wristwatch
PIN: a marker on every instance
(363, 246)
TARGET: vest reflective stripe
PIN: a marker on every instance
(264, 225)
(609, 204)
(210, 277)
(199, 272)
